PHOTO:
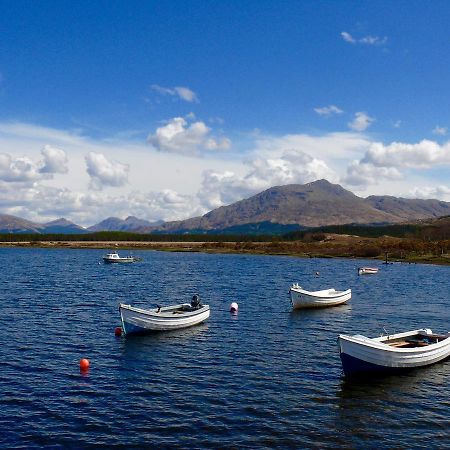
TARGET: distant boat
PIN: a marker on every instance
(301, 298)
(392, 353)
(114, 257)
(138, 320)
(367, 270)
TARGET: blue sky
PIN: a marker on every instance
(165, 110)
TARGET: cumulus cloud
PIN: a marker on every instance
(44, 203)
(187, 138)
(441, 131)
(439, 192)
(291, 167)
(361, 122)
(22, 169)
(328, 110)
(55, 160)
(366, 174)
(104, 172)
(180, 92)
(398, 154)
(386, 161)
(365, 40)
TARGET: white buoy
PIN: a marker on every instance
(234, 307)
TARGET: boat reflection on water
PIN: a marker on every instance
(368, 408)
(167, 337)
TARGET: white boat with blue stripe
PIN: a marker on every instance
(163, 318)
(392, 353)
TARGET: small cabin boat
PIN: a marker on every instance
(138, 320)
(301, 298)
(392, 353)
(114, 257)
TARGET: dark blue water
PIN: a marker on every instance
(266, 378)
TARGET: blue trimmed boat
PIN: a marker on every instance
(392, 353)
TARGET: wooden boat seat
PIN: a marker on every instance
(399, 344)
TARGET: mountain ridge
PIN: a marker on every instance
(319, 203)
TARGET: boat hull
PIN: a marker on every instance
(361, 355)
(320, 299)
(136, 320)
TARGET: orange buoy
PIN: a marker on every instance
(84, 364)
(118, 331)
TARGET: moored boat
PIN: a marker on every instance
(138, 320)
(301, 298)
(367, 270)
(392, 353)
(113, 257)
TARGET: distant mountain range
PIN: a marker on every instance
(131, 223)
(277, 210)
(315, 204)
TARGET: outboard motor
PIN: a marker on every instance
(195, 302)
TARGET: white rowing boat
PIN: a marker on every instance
(301, 298)
(138, 320)
(392, 353)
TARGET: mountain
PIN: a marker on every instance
(409, 209)
(319, 203)
(62, 226)
(131, 223)
(310, 205)
(13, 224)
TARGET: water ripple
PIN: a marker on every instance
(268, 377)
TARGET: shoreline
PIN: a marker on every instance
(275, 248)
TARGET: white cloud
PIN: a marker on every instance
(104, 172)
(348, 37)
(422, 155)
(361, 122)
(181, 92)
(366, 174)
(55, 160)
(328, 110)
(441, 131)
(43, 204)
(366, 40)
(439, 192)
(180, 136)
(385, 162)
(22, 169)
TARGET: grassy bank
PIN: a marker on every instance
(323, 246)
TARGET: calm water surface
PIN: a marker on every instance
(266, 378)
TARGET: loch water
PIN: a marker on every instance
(265, 378)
